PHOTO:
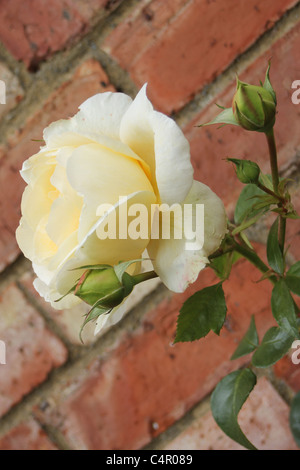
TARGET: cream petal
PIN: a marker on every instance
(67, 209)
(103, 113)
(37, 164)
(136, 131)
(51, 296)
(160, 142)
(92, 250)
(24, 236)
(111, 251)
(102, 176)
(215, 219)
(100, 115)
(174, 171)
(44, 247)
(98, 120)
(178, 267)
(38, 197)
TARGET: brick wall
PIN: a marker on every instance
(131, 388)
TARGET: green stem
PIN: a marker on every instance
(273, 159)
(275, 178)
(144, 276)
(282, 232)
(269, 191)
(251, 256)
(220, 252)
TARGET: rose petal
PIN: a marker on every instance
(92, 250)
(24, 237)
(102, 176)
(159, 141)
(178, 267)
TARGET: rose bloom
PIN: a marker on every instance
(114, 146)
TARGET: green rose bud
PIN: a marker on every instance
(247, 172)
(254, 107)
(103, 286)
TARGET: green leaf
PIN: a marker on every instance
(249, 342)
(92, 315)
(248, 223)
(96, 310)
(246, 240)
(293, 278)
(222, 264)
(274, 253)
(93, 266)
(267, 181)
(122, 266)
(283, 308)
(227, 400)
(69, 292)
(202, 312)
(295, 418)
(275, 344)
(268, 86)
(244, 207)
(225, 117)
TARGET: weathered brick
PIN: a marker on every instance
(289, 372)
(210, 145)
(146, 380)
(264, 419)
(35, 29)
(13, 90)
(191, 46)
(88, 79)
(32, 351)
(26, 436)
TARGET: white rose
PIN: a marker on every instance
(112, 147)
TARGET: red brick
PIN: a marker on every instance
(32, 351)
(88, 80)
(35, 29)
(264, 419)
(288, 372)
(210, 145)
(26, 436)
(146, 380)
(14, 91)
(193, 44)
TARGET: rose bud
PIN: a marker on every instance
(254, 107)
(103, 286)
(247, 172)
